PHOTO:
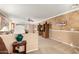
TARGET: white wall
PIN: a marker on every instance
(19, 29)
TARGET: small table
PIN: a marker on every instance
(17, 46)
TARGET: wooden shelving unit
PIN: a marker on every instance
(44, 30)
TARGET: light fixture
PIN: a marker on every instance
(75, 5)
(30, 20)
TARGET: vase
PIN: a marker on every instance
(19, 37)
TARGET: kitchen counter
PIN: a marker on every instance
(31, 38)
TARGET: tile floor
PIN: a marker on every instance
(48, 46)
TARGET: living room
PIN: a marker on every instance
(39, 28)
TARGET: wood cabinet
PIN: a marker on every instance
(40, 29)
(44, 30)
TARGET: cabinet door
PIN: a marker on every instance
(3, 22)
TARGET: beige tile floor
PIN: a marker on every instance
(48, 46)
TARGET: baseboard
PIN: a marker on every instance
(66, 43)
(56, 39)
(32, 50)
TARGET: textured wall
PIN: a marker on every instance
(58, 33)
(71, 19)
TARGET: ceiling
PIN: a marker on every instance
(21, 12)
